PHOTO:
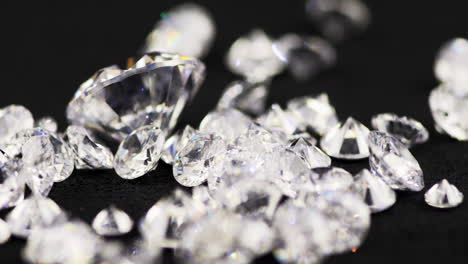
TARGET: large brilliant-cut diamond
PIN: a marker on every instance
(153, 91)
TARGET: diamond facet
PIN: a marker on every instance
(374, 191)
(331, 179)
(406, 129)
(112, 222)
(313, 156)
(175, 143)
(347, 141)
(278, 120)
(139, 153)
(245, 96)
(393, 162)
(451, 66)
(13, 119)
(443, 195)
(11, 185)
(226, 123)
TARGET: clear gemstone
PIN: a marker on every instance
(393, 162)
(278, 120)
(47, 123)
(226, 123)
(112, 222)
(34, 213)
(11, 185)
(257, 236)
(252, 56)
(374, 191)
(314, 112)
(346, 141)
(305, 56)
(4, 232)
(443, 195)
(194, 162)
(331, 179)
(245, 96)
(88, 149)
(258, 140)
(100, 76)
(406, 129)
(154, 94)
(304, 135)
(187, 29)
(13, 119)
(451, 65)
(139, 153)
(39, 183)
(312, 155)
(449, 112)
(175, 143)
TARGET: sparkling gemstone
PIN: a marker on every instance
(314, 112)
(278, 120)
(347, 140)
(139, 153)
(32, 213)
(226, 123)
(451, 65)
(305, 56)
(304, 234)
(187, 29)
(101, 75)
(151, 92)
(13, 119)
(39, 183)
(331, 179)
(11, 185)
(304, 135)
(88, 149)
(253, 57)
(258, 140)
(374, 191)
(175, 143)
(70, 242)
(393, 162)
(4, 232)
(201, 154)
(406, 129)
(449, 112)
(339, 19)
(245, 96)
(47, 123)
(312, 155)
(443, 195)
(112, 222)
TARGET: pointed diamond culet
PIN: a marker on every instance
(312, 155)
(154, 91)
(346, 141)
(374, 191)
(112, 222)
(406, 129)
(443, 195)
(393, 162)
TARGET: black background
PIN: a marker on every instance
(49, 48)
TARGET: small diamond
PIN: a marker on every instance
(245, 96)
(194, 162)
(314, 112)
(88, 149)
(278, 120)
(331, 179)
(47, 123)
(139, 153)
(13, 119)
(175, 143)
(11, 186)
(449, 112)
(4, 232)
(305, 56)
(252, 56)
(112, 222)
(347, 141)
(451, 66)
(374, 191)
(312, 155)
(226, 123)
(304, 135)
(34, 213)
(443, 195)
(406, 129)
(393, 162)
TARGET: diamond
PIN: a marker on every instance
(393, 162)
(257, 140)
(346, 141)
(11, 186)
(245, 96)
(4, 232)
(331, 179)
(34, 212)
(443, 195)
(112, 222)
(314, 112)
(39, 183)
(154, 94)
(278, 120)
(312, 155)
(201, 154)
(13, 119)
(305, 56)
(451, 65)
(175, 143)
(257, 236)
(139, 153)
(226, 123)
(449, 112)
(304, 135)
(252, 56)
(406, 129)
(47, 123)
(374, 191)
(187, 29)
(88, 149)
